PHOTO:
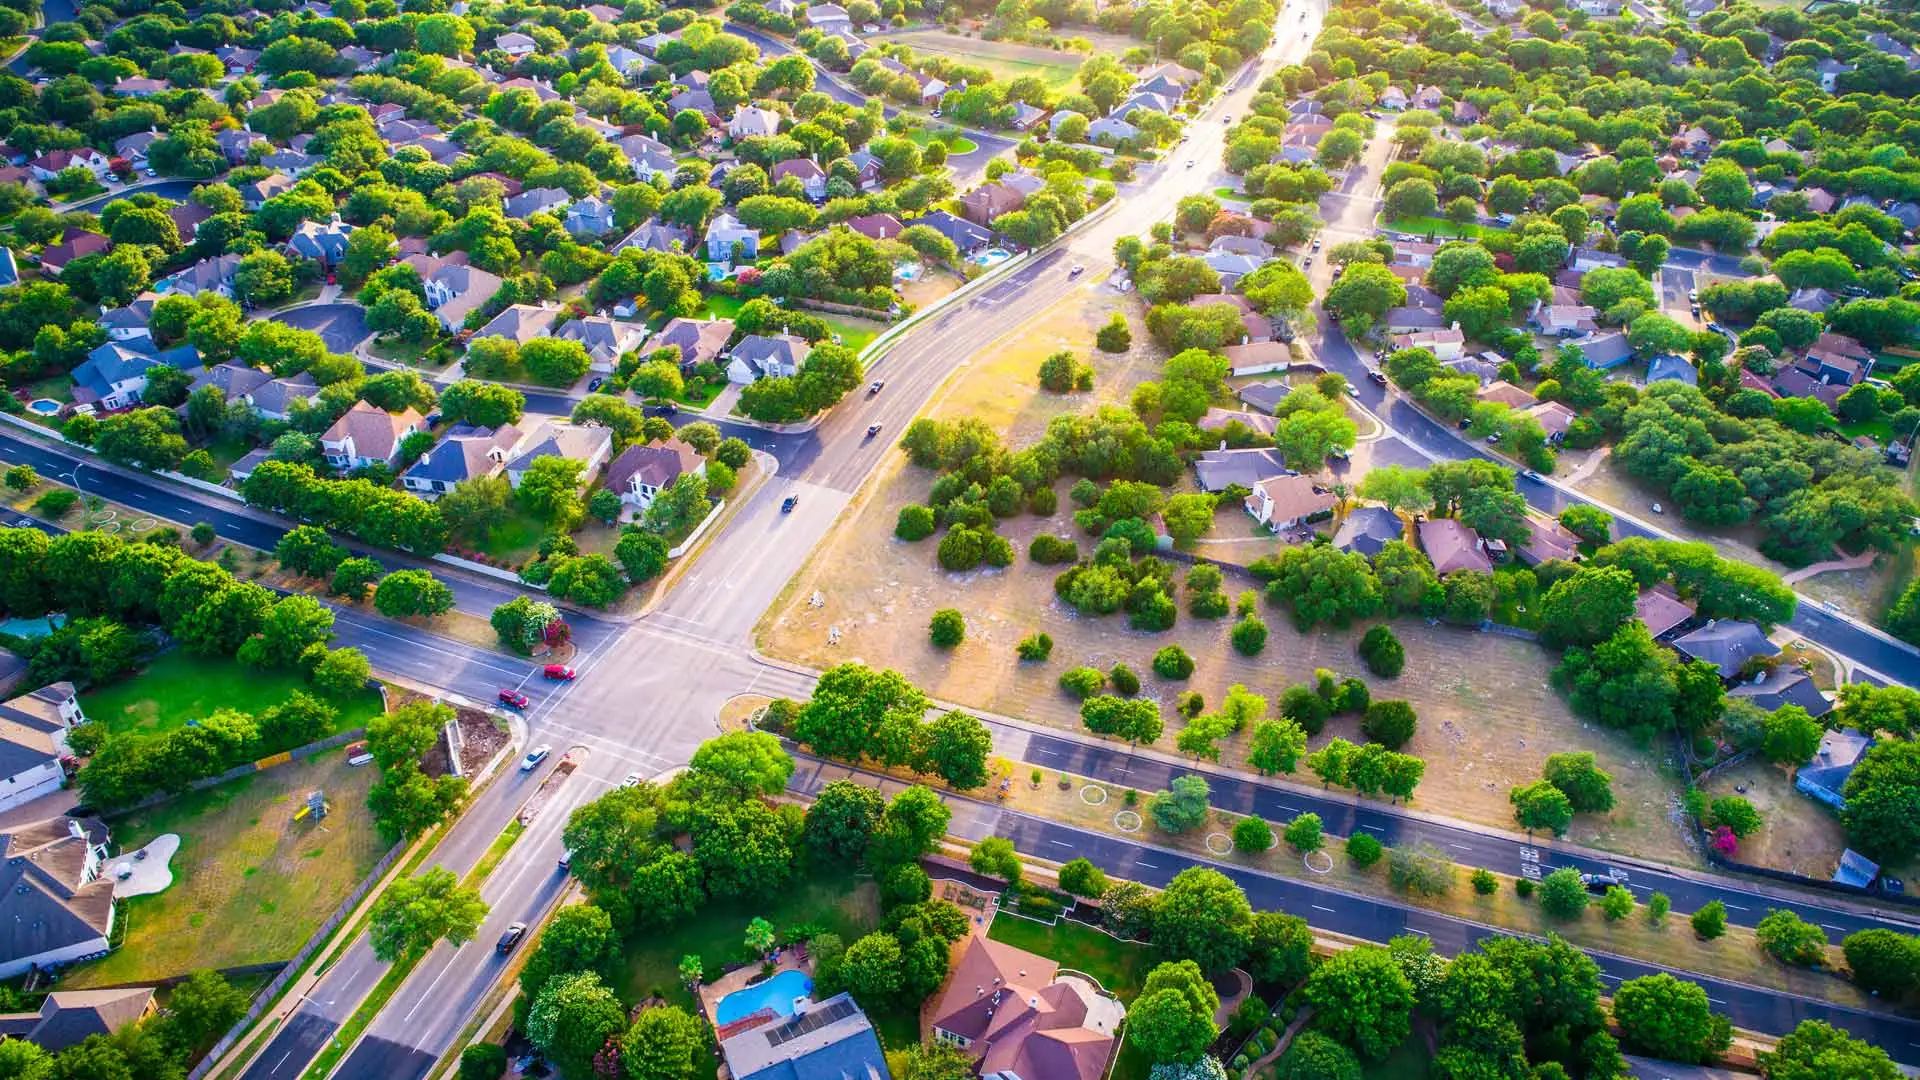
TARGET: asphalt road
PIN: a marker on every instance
(1240, 795)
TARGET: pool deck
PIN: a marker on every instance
(792, 958)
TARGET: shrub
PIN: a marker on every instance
(1420, 869)
(1484, 882)
(1172, 662)
(55, 502)
(949, 628)
(1352, 697)
(1363, 849)
(1042, 501)
(1710, 921)
(483, 1061)
(1562, 894)
(1382, 652)
(1523, 886)
(961, 549)
(1050, 550)
(915, 522)
(1304, 833)
(1657, 907)
(1617, 904)
(1083, 682)
(1035, 648)
(1252, 836)
(1249, 635)
(1081, 878)
(1389, 723)
(1189, 703)
(1115, 336)
(1123, 680)
(1304, 706)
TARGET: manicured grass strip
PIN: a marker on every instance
(1437, 227)
(494, 853)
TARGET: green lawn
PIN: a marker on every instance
(513, 540)
(1121, 966)
(1408, 1062)
(957, 143)
(723, 307)
(698, 392)
(176, 688)
(1231, 193)
(841, 904)
(1437, 227)
(1877, 428)
(428, 354)
(225, 451)
(251, 884)
(855, 334)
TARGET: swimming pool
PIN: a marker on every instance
(44, 406)
(776, 993)
(990, 257)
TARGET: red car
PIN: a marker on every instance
(558, 672)
(513, 699)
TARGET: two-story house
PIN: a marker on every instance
(468, 452)
(366, 435)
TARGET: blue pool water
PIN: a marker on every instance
(990, 257)
(716, 272)
(776, 993)
(44, 406)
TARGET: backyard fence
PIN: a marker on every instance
(296, 754)
(270, 992)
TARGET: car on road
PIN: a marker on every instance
(1693, 296)
(1227, 119)
(875, 386)
(872, 430)
(632, 779)
(1529, 474)
(1377, 376)
(514, 932)
(535, 756)
(513, 699)
(1189, 164)
(1076, 271)
(1352, 390)
(667, 409)
(787, 506)
(1306, 263)
(558, 672)
(596, 383)
(1316, 243)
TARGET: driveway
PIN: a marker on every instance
(341, 326)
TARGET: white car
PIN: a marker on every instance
(534, 757)
(632, 780)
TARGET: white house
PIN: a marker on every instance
(760, 356)
(1285, 501)
(58, 906)
(588, 444)
(725, 232)
(367, 435)
(751, 120)
(33, 739)
(641, 473)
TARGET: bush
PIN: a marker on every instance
(1382, 652)
(1249, 635)
(1710, 921)
(949, 628)
(1123, 680)
(1083, 682)
(1189, 703)
(1043, 501)
(1352, 697)
(1484, 882)
(1304, 833)
(1363, 850)
(1115, 336)
(1034, 648)
(1050, 550)
(1523, 887)
(1304, 706)
(1081, 878)
(56, 502)
(1389, 723)
(1252, 836)
(483, 1061)
(915, 522)
(1562, 894)
(1172, 662)
(1420, 869)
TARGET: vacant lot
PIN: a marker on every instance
(176, 688)
(1006, 59)
(251, 884)
(1800, 835)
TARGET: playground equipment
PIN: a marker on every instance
(315, 809)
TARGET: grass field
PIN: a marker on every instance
(957, 143)
(1007, 60)
(1121, 966)
(1438, 227)
(176, 688)
(1407, 1062)
(250, 883)
(512, 541)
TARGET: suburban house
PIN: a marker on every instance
(648, 156)
(454, 289)
(516, 44)
(1284, 502)
(234, 381)
(1824, 776)
(654, 235)
(68, 1017)
(1605, 352)
(828, 18)
(591, 216)
(1727, 644)
(1217, 470)
(1661, 612)
(760, 356)
(1545, 542)
(367, 435)
(1554, 419)
(533, 201)
(641, 473)
(467, 452)
(1771, 690)
(275, 399)
(54, 162)
(989, 201)
(1669, 368)
(813, 179)
(725, 235)
(207, 275)
(520, 323)
(55, 908)
(33, 739)
(74, 243)
(325, 243)
(1452, 546)
(751, 120)
(588, 444)
(1368, 529)
(115, 374)
(1016, 1014)
(253, 195)
(605, 340)
(827, 1040)
(876, 226)
(966, 235)
(1445, 343)
(1258, 357)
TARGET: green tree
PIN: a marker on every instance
(415, 912)
(1587, 787)
(665, 1043)
(1669, 1018)
(405, 593)
(1711, 920)
(572, 1017)
(1172, 1019)
(1816, 1050)
(1562, 894)
(1204, 917)
(1361, 999)
(1790, 939)
(1540, 805)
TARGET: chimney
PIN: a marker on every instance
(79, 832)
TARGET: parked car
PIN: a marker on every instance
(512, 936)
(558, 672)
(595, 383)
(513, 699)
(535, 756)
(1378, 376)
(632, 780)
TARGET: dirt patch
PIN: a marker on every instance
(481, 737)
(1488, 716)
